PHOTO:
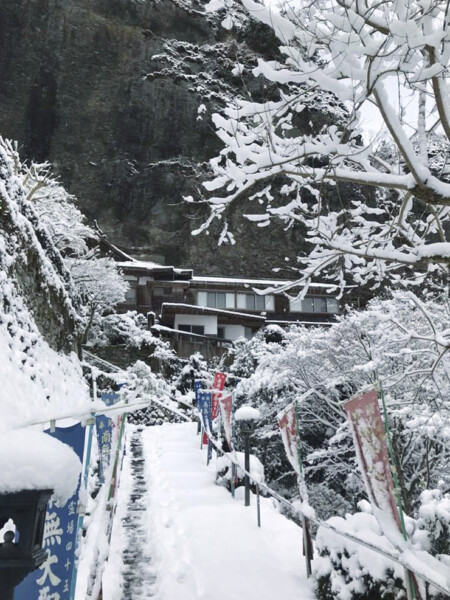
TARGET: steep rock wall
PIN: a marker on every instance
(109, 91)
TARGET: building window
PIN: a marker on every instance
(221, 332)
(332, 305)
(221, 300)
(241, 300)
(202, 299)
(162, 291)
(131, 294)
(215, 299)
(260, 302)
(314, 304)
(230, 300)
(250, 301)
(198, 329)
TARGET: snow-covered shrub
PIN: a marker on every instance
(434, 517)
(129, 329)
(224, 470)
(196, 368)
(344, 570)
(327, 502)
(147, 386)
(348, 571)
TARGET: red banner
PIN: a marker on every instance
(226, 407)
(287, 421)
(288, 427)
(367, 427)
(215, 396)
(219, 381)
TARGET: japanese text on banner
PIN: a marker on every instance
(52, 580)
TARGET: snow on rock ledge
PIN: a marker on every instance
(247, 413)
(34, 460)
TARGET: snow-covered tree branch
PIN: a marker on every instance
(393, 186)
(98, 283)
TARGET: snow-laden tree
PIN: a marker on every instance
(388, 57)
(97, 280)
(402, 343)
(100, 285)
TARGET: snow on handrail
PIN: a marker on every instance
(102, 361)
(171, 409)
(119, 370)
(409, 558)
(86, 414)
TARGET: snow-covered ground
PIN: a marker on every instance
(203, 544)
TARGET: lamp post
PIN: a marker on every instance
(21, 552)
(247, 416)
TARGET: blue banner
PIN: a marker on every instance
(52, 580)
(197, 387)
(104, 427)
(204, 406)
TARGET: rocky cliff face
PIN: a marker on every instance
(109, 92)
(34, 284)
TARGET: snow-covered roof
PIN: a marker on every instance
(298, 322)
(152, 266)
(252, 282)
(206, 279)
(34, 460)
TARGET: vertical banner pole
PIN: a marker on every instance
(409, 578)
(305, 523)
(209, 452)
(116, 460)
(233, 439)
(197, 386)
(247, 468)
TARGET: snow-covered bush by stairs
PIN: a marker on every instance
(344, 570)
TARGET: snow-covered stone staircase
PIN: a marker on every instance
(179, 536)
(138, 572)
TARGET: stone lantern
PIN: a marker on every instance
(21, 552)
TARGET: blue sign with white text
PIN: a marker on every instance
(104, 427)
(197, 387)
(52, 580)
(204, 406)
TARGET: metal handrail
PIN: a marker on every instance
(396, 556)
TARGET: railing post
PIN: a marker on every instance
(247, 468)
(258, 505)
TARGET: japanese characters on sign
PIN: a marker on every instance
(219, 381)
(288, 427)
(204, 406)
(197, 387)
(226, 408)
(367, 428)
(215, 396)
(104, 427)
(53, 579)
